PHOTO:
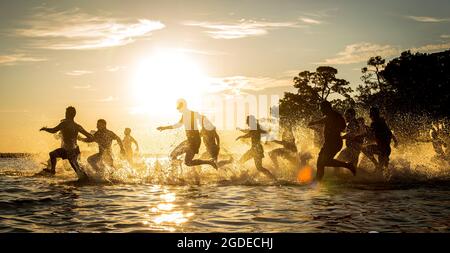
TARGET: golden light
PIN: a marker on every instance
(165, 76)
(175, 217)
(305, 175)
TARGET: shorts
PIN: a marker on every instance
(66, 154)
(381, 150)
(194, 142)
(257, 151)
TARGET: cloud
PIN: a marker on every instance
(425, 19)
(432, 47)
(240, 29)
(115, 68)
(445, 36)
(13, 111)
(82, 87)
(361, 52)
(13, 59)
(201, 52)
(107, 99)
(235, 84)
(311, 21)
(78, 72)
(75, 30)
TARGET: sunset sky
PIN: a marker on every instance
(126, 61)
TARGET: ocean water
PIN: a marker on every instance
(153, 198)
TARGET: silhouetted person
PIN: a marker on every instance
(288, 151)
(334, 125)
(104, 138)
(69, 150)
(211, 140)
(383, 136)
(353, 138)
(436, 134)
(256, 151)
(127, 142)
(191, 145)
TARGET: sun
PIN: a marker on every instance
(165, 76)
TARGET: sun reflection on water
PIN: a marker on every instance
(166, 214)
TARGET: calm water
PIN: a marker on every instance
(36, 204)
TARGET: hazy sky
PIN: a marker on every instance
(87, 53)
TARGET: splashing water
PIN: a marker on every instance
(155, 195)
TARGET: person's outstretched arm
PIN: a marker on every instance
(216, 136)
(119, 141)
(247, 135)
(317, 122)
(278, 142)
(53, 130)
(135, 143)
(177, 125)
(85, 133)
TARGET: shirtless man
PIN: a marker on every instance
(334, 125)
(69, 150)
(104, 138)
(256, 152)
(191, 145)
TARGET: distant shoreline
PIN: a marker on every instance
(15, 155)
(26, 155)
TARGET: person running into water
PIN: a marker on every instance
(104, 138)
(256, 151)
(353, 138)
(382, 134)
(334, 125)
(212, 141)
(69, 150)
(191, 145)
(127, 142)
(288, 151)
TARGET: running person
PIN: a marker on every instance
(69, 150)
(256, 151)
(288, 151)
(353, 138)
(212, 141)
(334, 125)
(383, 136)
(191, 145)
(127, 142)
(104, 138)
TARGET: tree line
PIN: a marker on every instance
(411, 90)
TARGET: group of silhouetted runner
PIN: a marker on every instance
(371, 141)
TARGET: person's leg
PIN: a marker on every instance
(246, 156)
(321, 164)
(57, 153)
(326, 159)
(369, 152)
(260, 168)
(129, 156)
(274, 154)
(383, 157)
(190, 161)
(344, 155)
(108, 159)
(179, 150)
(77, 168)
(437, 146)
(93, 161)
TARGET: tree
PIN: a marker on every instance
(411, 89)
(313, 88)
(374, 91)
